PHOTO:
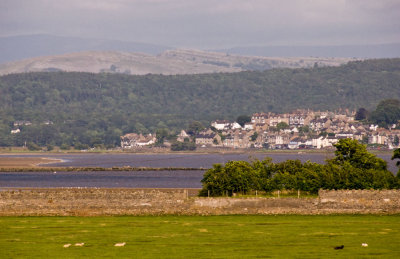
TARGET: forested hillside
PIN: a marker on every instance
(98, 108)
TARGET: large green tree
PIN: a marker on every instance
(281, 126)
(243, 119)
(387, 113)
(361, 114)
(195, 127)
(356, 154)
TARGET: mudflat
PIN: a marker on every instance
(24, 162)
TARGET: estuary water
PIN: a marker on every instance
(167, 160)
(104, 179)
(142, 179)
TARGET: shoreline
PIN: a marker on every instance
(97, 169)
(147, 152)
(53, 161)
(26, 162)
(205, 151)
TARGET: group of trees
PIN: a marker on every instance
(95, 109)
(182, 146)
(353, 167)
(385, 115)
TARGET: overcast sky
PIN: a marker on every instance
(208, 23)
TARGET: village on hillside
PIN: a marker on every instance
(300, 129)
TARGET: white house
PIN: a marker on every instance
(294, 143)
(259, 118)
(373, 127)
(221, 124)
(133, 140)
(182, 136)
(15, 131)
(235, 125)
(323, 142)
(376, 139)
(248, 126)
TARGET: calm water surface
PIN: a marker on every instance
(166, 160)
(144, 179)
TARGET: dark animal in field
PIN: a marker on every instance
(339, 247)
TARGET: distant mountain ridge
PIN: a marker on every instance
(350, 51)
(15, 48)
(28, 46)
(169, 62)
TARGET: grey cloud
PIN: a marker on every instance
(208, 23)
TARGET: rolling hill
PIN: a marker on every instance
(15, 48)
(358, 51)
(169, 62)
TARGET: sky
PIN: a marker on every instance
(208, 24)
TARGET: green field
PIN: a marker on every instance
(201, 236)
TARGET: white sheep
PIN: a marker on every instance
(79, 244)
(120, 244)
(66, 245)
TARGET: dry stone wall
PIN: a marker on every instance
(93, 201)
(360, 200)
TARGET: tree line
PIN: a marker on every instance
(353, 167)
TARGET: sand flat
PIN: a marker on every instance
(25, 162)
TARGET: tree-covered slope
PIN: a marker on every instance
(97, 108)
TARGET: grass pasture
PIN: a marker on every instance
(201, 236)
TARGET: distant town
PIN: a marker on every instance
(300, 129)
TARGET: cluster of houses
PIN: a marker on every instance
(300, 129)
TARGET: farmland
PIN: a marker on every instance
(201, 236)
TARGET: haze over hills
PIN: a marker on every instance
(182, 61)
(15, 48)
(349, 51)
(29, 46)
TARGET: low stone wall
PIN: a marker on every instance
(93, 201)
(360, 200)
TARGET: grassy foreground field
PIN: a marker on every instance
(201, 236)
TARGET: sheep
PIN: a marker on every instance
(120, 244)
(79, 244)
(66, 245)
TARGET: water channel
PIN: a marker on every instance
(142, 179)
